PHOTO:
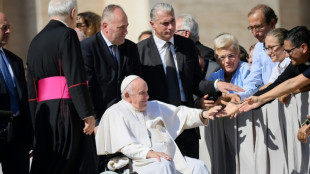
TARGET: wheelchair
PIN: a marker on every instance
(105, 159)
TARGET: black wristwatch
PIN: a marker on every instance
(201, 114)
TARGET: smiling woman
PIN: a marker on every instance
(274, 48)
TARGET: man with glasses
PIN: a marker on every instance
(295, 77)
(262, 19)
(187, 26)
(14, 151)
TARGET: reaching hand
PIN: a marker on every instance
(221, 101)
(250, 103)
(231, 109)
(214, 110)
(225, 87)
(285, 98)
(158, 155)
(303, 133)
(206, 104)
(89, 125)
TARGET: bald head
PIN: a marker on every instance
(4, 30)
(114, 24)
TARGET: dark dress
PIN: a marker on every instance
(60, 144)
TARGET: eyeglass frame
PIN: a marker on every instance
(256, 27)
(176, 31)
(290, 51)
(78, 25)
(5, 27)
(229, 56)
(270, 49)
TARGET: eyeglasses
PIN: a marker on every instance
(179, 30)
(270, 49)
(229, 56)
(256, 27)
(5, 28)
(289, 52)
(79, 25)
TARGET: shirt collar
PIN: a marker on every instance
(106, 40)
(284, 64)
(161, 43)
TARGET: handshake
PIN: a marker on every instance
(304, 131)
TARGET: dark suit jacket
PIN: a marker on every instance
(153, 71)
(25, 130)
(206, 52)
(103, 79)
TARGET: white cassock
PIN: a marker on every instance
(124, 129)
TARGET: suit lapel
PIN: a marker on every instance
(179, 56)
(105, 51)
(122, 58)
(155, 58)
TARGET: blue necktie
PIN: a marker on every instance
(9, 84)
(114, 52)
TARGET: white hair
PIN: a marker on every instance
(160, 6)
(61, 8)
(128, 89)
(189, 23)
(226, 40)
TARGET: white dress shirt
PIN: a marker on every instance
(278, 69)
(161, 47)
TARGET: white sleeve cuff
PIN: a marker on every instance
(215, 85)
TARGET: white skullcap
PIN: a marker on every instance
(127, 81)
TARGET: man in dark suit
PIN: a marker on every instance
(108, 58)
(156, 69)
(187, 26)
(14, 153)
(176, 83)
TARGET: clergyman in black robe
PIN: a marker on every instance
(64, 122)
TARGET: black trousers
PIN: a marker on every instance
(14, 155)
(188, 141)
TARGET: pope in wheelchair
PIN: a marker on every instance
(145, 131)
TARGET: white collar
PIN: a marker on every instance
(161, 43)
(106, 40)
(130, 107)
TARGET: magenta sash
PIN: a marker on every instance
(53, 88)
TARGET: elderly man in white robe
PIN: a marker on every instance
(145, 131)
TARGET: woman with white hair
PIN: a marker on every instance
(225, 138)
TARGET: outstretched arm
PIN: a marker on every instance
(225, 87)
(288, 86)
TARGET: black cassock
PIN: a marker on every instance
(60, 144)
